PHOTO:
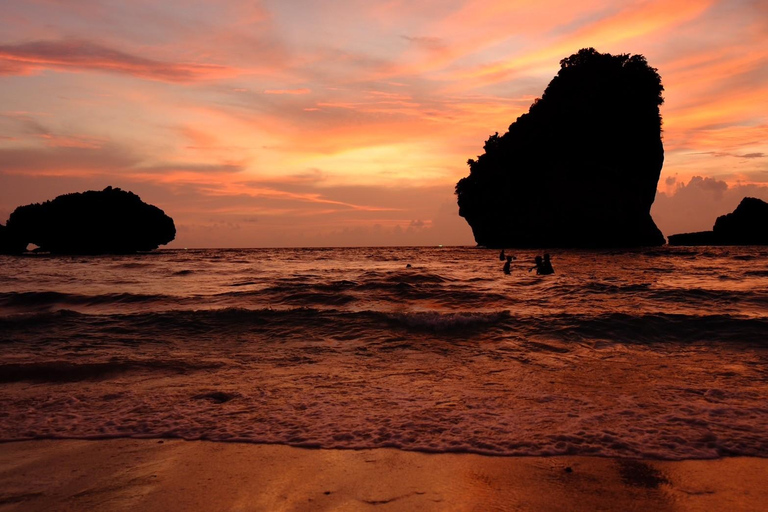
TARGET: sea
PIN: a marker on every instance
(655, 353)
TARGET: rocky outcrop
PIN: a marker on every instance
(746, 225)
(111, 221)
(10, 244)
(580, 169)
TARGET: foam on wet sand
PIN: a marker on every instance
(161, 475)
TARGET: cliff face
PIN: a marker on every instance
(580, 169)
(746, 225)
(93, 222)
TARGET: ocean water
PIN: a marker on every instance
(657, 353)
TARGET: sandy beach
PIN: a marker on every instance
(160, 475)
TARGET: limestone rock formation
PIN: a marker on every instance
(580, 169)
(10, 244)
(111, 221)
(746, 225)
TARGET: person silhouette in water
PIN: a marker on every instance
(543, 266)
(507, 264)
(501, 255)
(546, 266)
(538, 265)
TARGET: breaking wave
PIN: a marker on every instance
(651, 353)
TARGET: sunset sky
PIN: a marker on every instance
(348, 122)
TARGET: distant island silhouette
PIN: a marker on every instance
(746, 225)
(580, 169)
(110, 221)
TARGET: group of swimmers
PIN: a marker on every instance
(543, 265)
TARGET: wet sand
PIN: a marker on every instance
(152, 475)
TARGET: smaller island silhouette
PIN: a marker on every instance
(580, 169)
(746, 225)
(110, 221)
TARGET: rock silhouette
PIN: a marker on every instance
(10, 244)
(111, 221)
(580, 169)
(746, 225)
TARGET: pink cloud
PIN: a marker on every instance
(288, 91)
(83, 55)
(694, 206)
(25, 123)
(73, 141)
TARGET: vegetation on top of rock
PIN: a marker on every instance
(580, 169)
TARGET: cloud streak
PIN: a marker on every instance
(83, 55)
(288, 91)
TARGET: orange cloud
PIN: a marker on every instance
(271, 189)
(716, 110)
(631, 23)
(730, 138)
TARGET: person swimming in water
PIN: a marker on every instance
(543, 266)
(538, 264)
(507, 265)
(546, 266)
